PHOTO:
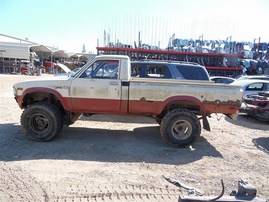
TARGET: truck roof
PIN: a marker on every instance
(113, 56)
(167, 61)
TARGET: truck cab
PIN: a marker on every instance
(100, 86)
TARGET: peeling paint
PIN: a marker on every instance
(143, 99)
(228, 102)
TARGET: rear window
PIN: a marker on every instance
(255, 86)
(193, 72)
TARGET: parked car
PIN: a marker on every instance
(257, 106)
(260, 77)
(168, 70)
(252, 86)
(222, 79)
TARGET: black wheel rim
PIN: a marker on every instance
(39, 123)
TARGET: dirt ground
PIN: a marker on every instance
(122, 158)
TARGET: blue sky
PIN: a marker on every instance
(69, 24)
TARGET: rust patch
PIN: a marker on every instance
(225, 107)
(143, 99)
(229, 102)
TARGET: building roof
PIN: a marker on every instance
(40, 48)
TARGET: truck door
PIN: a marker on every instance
(97, 88)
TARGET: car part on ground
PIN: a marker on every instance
(245, 192)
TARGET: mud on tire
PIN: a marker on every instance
(41, 121)
(180, 127)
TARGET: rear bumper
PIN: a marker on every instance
(233, 116)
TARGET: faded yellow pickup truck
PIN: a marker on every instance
(105, 86)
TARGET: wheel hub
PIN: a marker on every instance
(181, 129)
(39, 123)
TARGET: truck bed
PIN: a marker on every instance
(211, 97)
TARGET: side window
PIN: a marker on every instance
(135, 70)
(255, 86)
(102, 69)
(267, 87)
(193, 72)
(217, 80)
(155, 71)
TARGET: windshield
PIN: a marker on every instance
(105, 69)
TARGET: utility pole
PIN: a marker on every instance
(83, 49)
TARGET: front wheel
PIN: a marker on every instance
(42, 121)
(180, 127)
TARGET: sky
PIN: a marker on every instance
(68, 24)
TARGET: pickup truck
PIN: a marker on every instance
(105, 86)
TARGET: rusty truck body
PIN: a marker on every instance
(105, 86)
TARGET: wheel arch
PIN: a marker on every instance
(37, 94)
(188, 102)
(193, 104)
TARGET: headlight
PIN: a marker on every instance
(14, 91)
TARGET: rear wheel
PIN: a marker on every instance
(42, 121)
(180, 127)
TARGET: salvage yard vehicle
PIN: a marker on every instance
(222, 79)
(257, 106)
(256, 77)
(252, 86)
(105, 86)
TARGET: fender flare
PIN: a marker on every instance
(170, 100)
(66, 102)
(192, 99)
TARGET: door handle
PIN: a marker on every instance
(113, 83)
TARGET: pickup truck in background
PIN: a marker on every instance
(105, 86)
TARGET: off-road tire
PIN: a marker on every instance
(180, 128)
(42, 121)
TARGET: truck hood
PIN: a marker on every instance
(63, 67)
(46, 82)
